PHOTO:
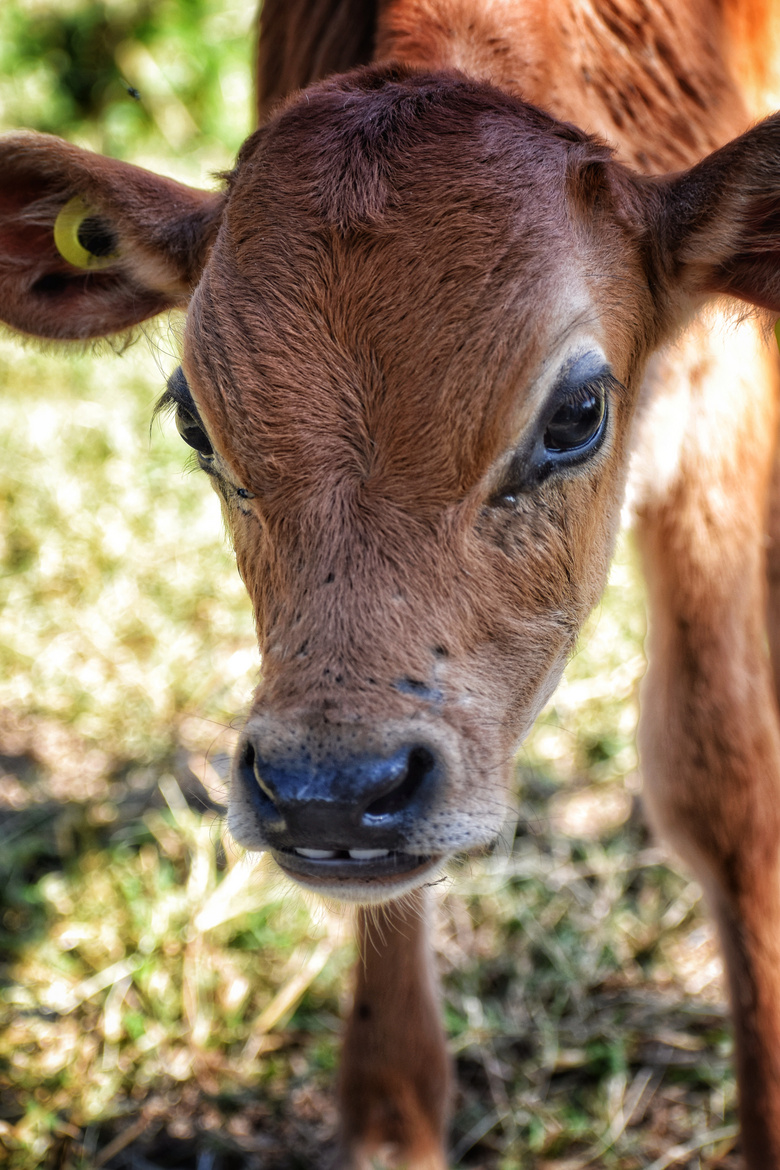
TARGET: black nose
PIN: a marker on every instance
(368, 802)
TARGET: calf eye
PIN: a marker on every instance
(578, 422)
(567, 434)
(192, 432)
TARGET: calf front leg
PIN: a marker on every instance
(395, 1073)
(710, 737)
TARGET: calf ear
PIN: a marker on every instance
(90, 246)
(720, 221)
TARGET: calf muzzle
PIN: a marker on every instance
(342, 818)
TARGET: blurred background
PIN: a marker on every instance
(164, 1000)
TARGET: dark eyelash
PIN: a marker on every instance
(606, 382)
(164, 405)
(176, 393)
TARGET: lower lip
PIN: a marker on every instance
(390, 870)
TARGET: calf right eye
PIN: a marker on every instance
(578, 422)
(192, 432)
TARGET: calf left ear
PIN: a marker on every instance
(90, 246)
(719, 223)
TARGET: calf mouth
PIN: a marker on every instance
(373, 874)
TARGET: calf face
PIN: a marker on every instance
(414, 386)
(410, 368)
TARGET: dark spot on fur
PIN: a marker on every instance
(413, 686)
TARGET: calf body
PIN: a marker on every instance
(429, 326)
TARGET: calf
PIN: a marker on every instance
(428, 323)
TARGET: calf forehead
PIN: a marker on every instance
(395, 263)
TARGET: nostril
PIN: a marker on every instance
(247, 760)
(262, 795)
(419, 764)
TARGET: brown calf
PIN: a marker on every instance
(428, 325)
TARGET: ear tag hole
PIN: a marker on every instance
(83, 237)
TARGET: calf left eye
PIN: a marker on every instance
(193, 433)
(578, 422)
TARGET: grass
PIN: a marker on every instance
(164, 1001)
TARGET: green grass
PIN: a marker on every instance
(165, 1001)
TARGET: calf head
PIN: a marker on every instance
(417, 322)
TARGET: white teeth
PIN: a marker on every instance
(355, 854)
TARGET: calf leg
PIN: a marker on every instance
(395, 1075)
(710, 736)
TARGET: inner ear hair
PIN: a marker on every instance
(721, 220)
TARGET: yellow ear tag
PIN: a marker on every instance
(67, 226)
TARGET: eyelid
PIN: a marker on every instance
(569, 389)
(178, 397)
(178, 388)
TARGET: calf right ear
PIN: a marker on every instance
(719, 227)
(90, 246)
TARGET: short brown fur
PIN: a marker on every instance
(408, 267)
